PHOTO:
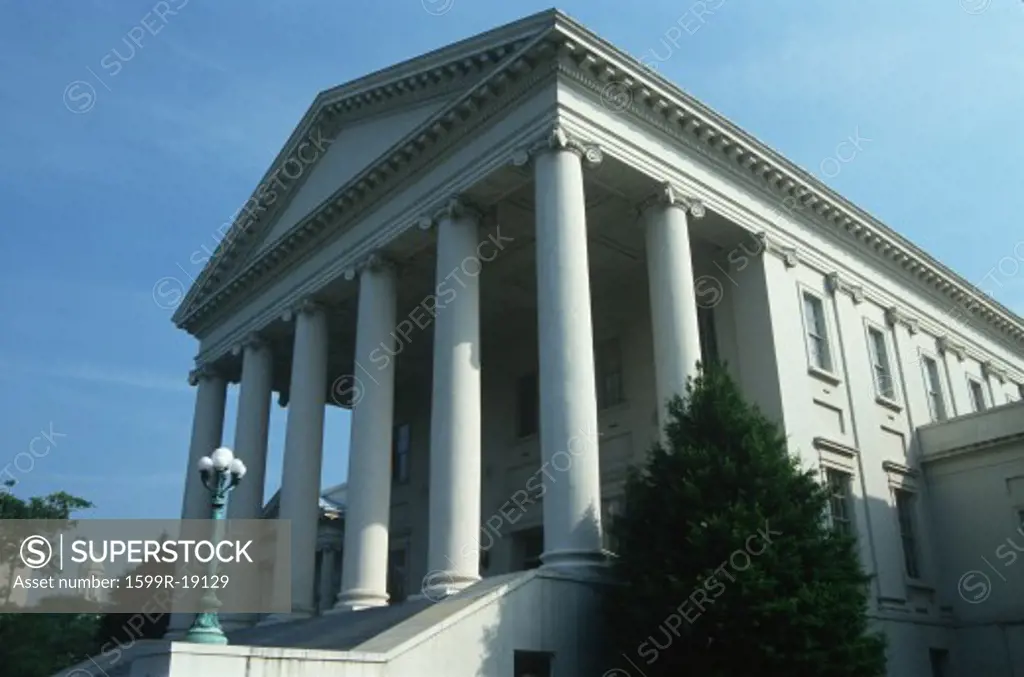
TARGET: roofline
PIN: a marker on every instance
(367, 87)
(743, 148)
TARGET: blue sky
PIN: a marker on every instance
(98, 205)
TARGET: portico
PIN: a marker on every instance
(422, 308)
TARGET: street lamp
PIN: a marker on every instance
(221, 472)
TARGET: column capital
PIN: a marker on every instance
(771, 245)
(669, 196)
(251, 340)
(946, 345)
(835, 284)
(558, 139)
(373, 261)
(895, 316)
(201, 372)
(306, 305)
(990, 368)
(455, 207)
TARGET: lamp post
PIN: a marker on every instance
(221, 472)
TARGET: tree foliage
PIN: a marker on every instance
(39, 644)
(727, 566)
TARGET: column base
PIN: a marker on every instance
(440, 584)
(583, 563)
(357, 600)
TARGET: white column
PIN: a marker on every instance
(207, 431)
(568, 399)
(251, 427)
(303, 446)
(673, 302)
(364, 568)
(453, 558)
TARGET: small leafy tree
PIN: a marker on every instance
(39, 644)
(726, 564)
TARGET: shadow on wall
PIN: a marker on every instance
(548, 626)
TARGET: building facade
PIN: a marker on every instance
(504, 256)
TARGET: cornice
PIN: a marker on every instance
(826, 444)
(899, 469)
(669, 196)
(642, 93)
(492, 95)
(946, 341)
(895, 316)
(835, 283)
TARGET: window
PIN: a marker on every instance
(527, 411)
(1020, 518)
(708, 335)
(977, 394)
(609, 374)
(528, 546)
(940, 662)
(905, 514)
(611, 508)
(400, 454)
(817, 332)
(839, 494)
(884, 386)
(934, 387)
(396, 576)
(531, 664)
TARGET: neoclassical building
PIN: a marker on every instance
(504, 256)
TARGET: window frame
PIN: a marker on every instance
(520, 432)
(871, 330)
(398, 477)
(905, 505)
(603, 373)
(973, 381)
(939, 410)
(831, 373)
(848, 519)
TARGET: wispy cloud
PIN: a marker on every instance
(100, 375)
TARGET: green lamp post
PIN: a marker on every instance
(221, 472)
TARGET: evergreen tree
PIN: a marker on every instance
(726, 563)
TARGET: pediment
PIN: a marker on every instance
(348, 129)
(352, 149)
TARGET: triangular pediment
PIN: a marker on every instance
(353, 147)
(345, 131)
